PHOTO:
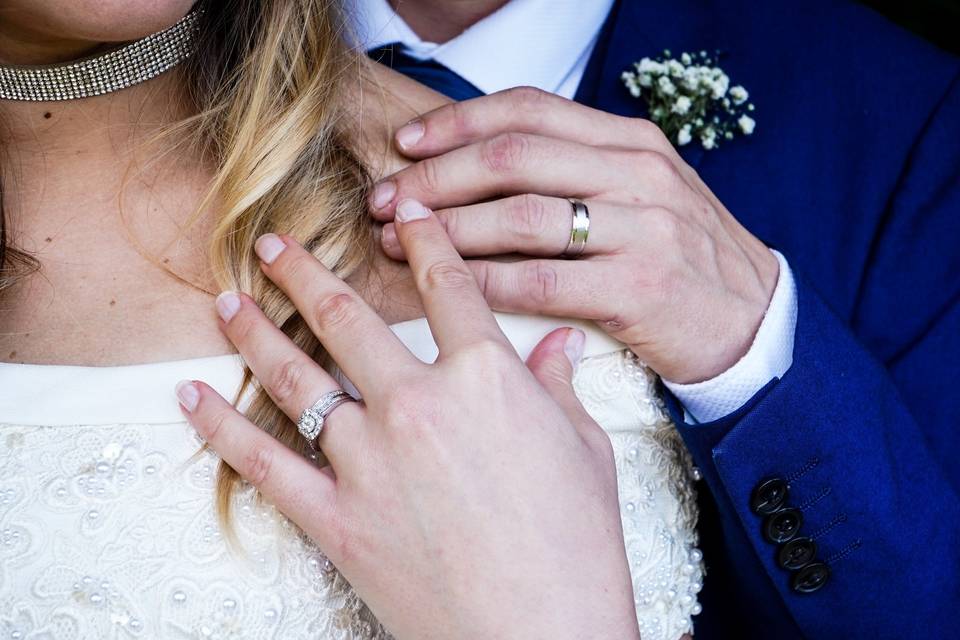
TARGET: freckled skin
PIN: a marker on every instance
(69, 170)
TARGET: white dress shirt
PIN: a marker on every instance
(547, 44)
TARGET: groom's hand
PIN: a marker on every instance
(667, 269)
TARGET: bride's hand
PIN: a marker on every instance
(471, 498)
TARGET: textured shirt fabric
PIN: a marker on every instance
(769, 357)
(547, 44)
(538, 43)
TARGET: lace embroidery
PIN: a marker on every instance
(110, 532)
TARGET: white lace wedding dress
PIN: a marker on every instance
(108, 528)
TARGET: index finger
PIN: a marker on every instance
(525, 110)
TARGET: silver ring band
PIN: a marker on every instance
(579, 230)
(311, 420)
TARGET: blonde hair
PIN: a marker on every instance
(268, 80)
(272, 109)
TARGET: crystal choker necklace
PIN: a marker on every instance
(102, 73)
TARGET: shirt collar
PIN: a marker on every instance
(526, 42)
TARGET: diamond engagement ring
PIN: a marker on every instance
(579, 230)
(311, 420)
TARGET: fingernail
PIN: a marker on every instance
(409, 134)
(383, 194)
(389, 235)
(573, 347)
(269, 246)
(409, 210)
(227, 303)
(188, 395)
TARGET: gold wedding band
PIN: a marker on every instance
(579, 230)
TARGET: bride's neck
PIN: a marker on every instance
(104, 127)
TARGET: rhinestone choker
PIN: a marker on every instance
(102, 73)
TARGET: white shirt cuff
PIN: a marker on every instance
(769, 357)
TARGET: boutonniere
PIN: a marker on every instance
(691, 98)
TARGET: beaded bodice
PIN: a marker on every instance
(109, 531)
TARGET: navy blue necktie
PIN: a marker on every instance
(433, 74)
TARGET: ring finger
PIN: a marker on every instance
(530, 224)
(288, 375)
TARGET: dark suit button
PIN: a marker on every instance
(797, 553)
(782, 525)
(810, 578)
(769, 496)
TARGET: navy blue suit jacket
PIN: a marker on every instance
(853, 173)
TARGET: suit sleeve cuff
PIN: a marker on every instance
(769, 357)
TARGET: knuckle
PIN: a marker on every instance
(401, 410)
(428, 175)
(286, 380)
(482, 276)
(529, 216)
(527, 98)
(663, 225)
(298, 267)
(650, 133)
(450, 221)
(543, 282)
(462, 120)
(506, 152)
(257, 466)
(213, 426)
(336, 311)
(242, 328)
(655, 165)
(446, 276)
(645, 127)
(493, 354)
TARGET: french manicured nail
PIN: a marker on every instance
(383, 194)
(268, 247)
(389, 234)
(409, 210)
(227, 303)
(409, 134)
(188, 395)
(573, 347)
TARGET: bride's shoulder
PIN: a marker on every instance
(377, 103)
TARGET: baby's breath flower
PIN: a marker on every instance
(690, 98)
(632, 83)
(708, 138)
(739, 95)
(646, 65)
(666, 86)
(719, 86)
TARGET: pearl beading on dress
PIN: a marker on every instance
(110, 530)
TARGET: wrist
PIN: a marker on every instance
(718, 340)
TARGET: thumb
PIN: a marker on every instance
(553, 362)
